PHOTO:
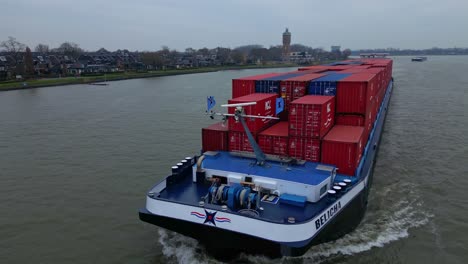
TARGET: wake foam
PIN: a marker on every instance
(181, 249)
(386, 221)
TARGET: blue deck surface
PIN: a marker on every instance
(188, 192)
(306, 174)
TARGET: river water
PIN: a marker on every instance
(76, 161)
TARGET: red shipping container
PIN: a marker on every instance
(215, 137)
(358, 120)
(311, 116)
(361, 67)
(304, 148)
(342, 147)
(386, 62)
(354, 93)
(296, 87)
(380, 75)
(274, 140)
(353, 70)
(317, 67)
(238, 141)
(370, 118)
(313, 71)
(380, 95)
(246, 85)
(340, 67)
(266, 106)
(383, 72)
(349, 120)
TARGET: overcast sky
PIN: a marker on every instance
(150, 24)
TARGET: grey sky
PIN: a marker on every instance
(149, 24)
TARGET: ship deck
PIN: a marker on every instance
(190, 193)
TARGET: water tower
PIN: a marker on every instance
(286, 44)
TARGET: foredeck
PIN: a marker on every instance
(190, 193)
(185, 191)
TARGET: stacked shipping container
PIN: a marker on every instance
(347, 93)
(246, 85)
(215, 137)
(265, 106)
(326, 85)
(343, 147)
(275, 139)
(310, 118)
(296, 87)
(272, 84)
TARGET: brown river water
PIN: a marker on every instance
(76, 162)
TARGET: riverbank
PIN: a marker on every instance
(46, 82)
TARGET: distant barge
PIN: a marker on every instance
(419, 59)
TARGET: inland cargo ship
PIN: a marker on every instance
(289, 166)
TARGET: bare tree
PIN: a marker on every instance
(13, 47)
(238, 57)
(346, 53)
(204, 51)
(259, 54)
(165, 51)
(70, 49)
(152, 58)
(223, 54)
(190, 50)
(42, 48)
(247, 48)
(28, 62)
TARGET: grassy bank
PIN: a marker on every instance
(34, 83)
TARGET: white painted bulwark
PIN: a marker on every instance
(267, 230)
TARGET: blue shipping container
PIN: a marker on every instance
(271, 85)
(326, 85)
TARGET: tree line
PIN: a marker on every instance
(16, 49)
(171, 58)
(247, 54)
